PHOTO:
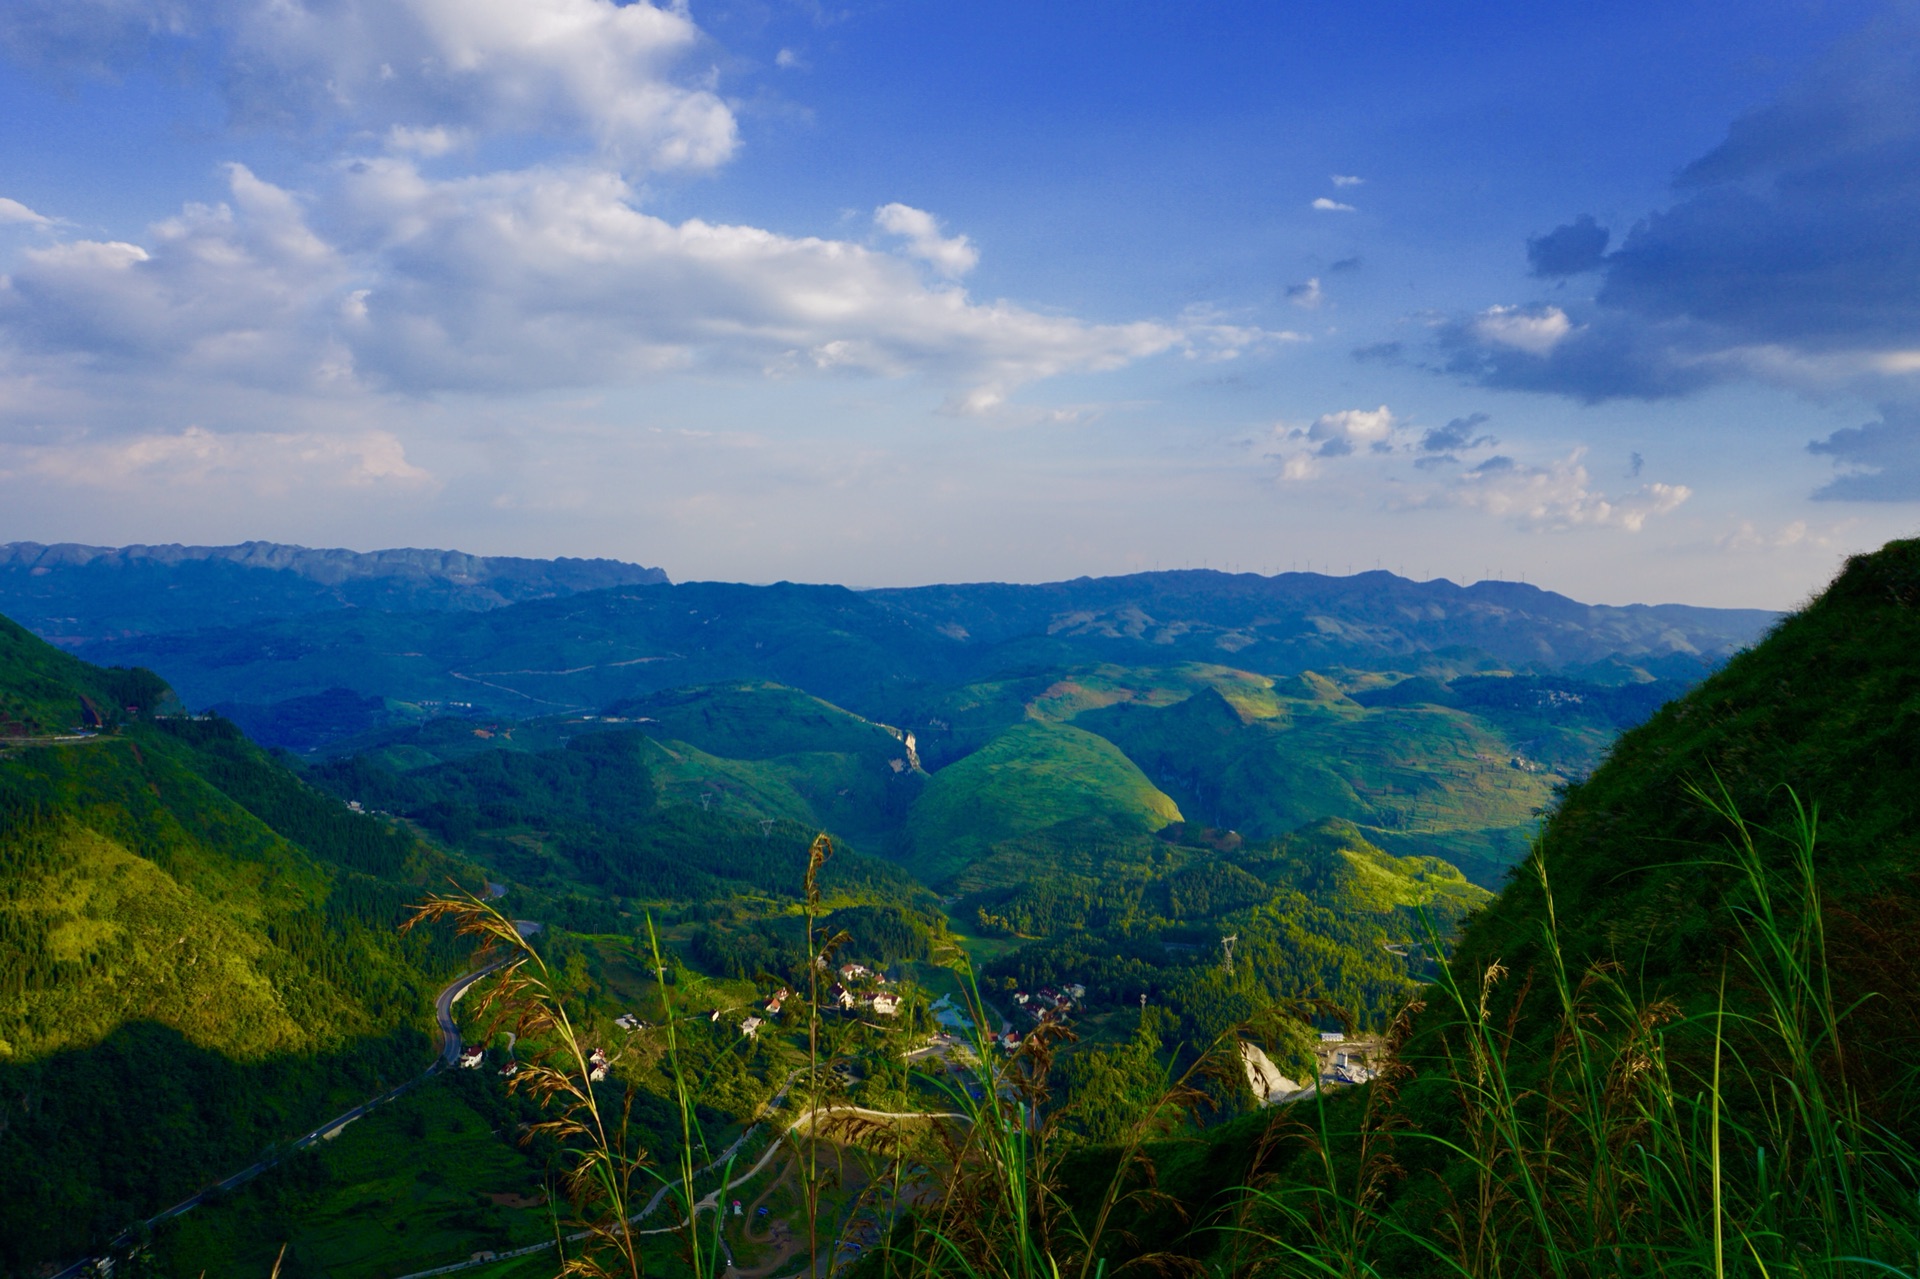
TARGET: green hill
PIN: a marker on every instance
(1829, 706)
(1318, 914)
(45, 691)
(197, 956)
(1421, 779)
(1034, 780)
(759, 720)
(620, 815)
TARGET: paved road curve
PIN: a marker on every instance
(449, 1054)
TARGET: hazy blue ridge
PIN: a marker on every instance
(71, 593)
(876, 651)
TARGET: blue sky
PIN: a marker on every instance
(1623, 300)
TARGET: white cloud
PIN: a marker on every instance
(1308, 295)
(264, 462)
(1339, 434)
(426, 142)
(1559, 496)
(1748, 536)
(1346, 180)
(14, 213)
(1332, 206)
(789, 60)
(224, 290)
(1534, 330)
(510, 66)
(951, 256)
(528, 279)
(1335, 435)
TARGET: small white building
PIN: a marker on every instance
(470, 1058)
(886, 1005)
(751, 1027)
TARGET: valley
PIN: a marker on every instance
(1088, 787)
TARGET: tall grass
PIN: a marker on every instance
(1634, 1136)
(606, 1168)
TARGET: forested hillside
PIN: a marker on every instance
(197, 952)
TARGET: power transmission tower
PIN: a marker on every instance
(1226, 947)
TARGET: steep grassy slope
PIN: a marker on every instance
(1828, 705)
(1036, 781)
(196, 955)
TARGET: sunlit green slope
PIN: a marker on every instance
(195, 950)
(1036, 780)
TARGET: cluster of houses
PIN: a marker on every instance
(1048, 1004)
(1044, 1005)
(859, 988)
(847, 995)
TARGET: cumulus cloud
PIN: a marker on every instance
(1558, 496)
(951, 256)
(14, 213)
(513, 66)
(536, 278)
(1337, 434)
(226, 290)
(1345, 180)
(1879, 461)
(1787, 254)
(1574, 249)
(1325, 205)
(1308, 295)
(1535, 330)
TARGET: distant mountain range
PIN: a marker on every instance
(74, 594)
(262, 623)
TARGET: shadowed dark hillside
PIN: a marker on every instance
(197, 953)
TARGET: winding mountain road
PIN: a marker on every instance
(449, 1054)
